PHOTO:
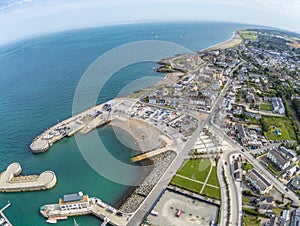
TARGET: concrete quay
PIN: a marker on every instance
(11, 181)
(118, 114)
(95, 206)
(150, 154)
(84, 122)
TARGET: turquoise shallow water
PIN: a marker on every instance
(38, 78)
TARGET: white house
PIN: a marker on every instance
(258, 181)
(278, 106)
(278, 159)
(290, 154)
(295, 183)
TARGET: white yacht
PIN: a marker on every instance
(52, 221)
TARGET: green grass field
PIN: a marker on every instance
(266, 106)
(212, 192)
(252, 35)
(213, 179)
(247, 167)
(196, 169)
(278, 123)
(187, 184)
(250, 221)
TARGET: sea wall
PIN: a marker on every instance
(137, 196)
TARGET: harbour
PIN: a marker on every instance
(3, 219)
(85, 122)
(79, 204)
(160, 143)
(45, 95)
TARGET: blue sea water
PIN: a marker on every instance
(38, 78)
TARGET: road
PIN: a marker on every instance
(224, 195)
(235, 205)
(146, 206)
(235, 193)
(261, 112)
(277, 184)
(258, 150)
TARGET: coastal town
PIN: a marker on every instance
(220, 134)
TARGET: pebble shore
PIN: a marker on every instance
(137, 196)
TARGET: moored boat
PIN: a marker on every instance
(51, 221)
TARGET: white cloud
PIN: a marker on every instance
(46, 16)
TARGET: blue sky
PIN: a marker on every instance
(26, 18)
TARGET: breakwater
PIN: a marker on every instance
(85, 122)
(11, 181)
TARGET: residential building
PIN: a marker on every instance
(292, 171)
(284, 218)
(295, 220)
(250, 97)
(152, 100)
(290, 154)
(241, 135)
(266, 205)
(295, 182)
(278, 106)
(278, 159)
(258, 181)
(272, 221)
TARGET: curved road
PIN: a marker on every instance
(277, 184)
(224, 195)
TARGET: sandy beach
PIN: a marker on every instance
(235, 40)
(171, 78)
(146, 136)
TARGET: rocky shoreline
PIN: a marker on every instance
(137, 195)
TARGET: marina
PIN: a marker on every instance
(78, 205)
(3, 219)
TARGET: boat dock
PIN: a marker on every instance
(105, 222)
(79, 204)
(108, 214)
(3, 219)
